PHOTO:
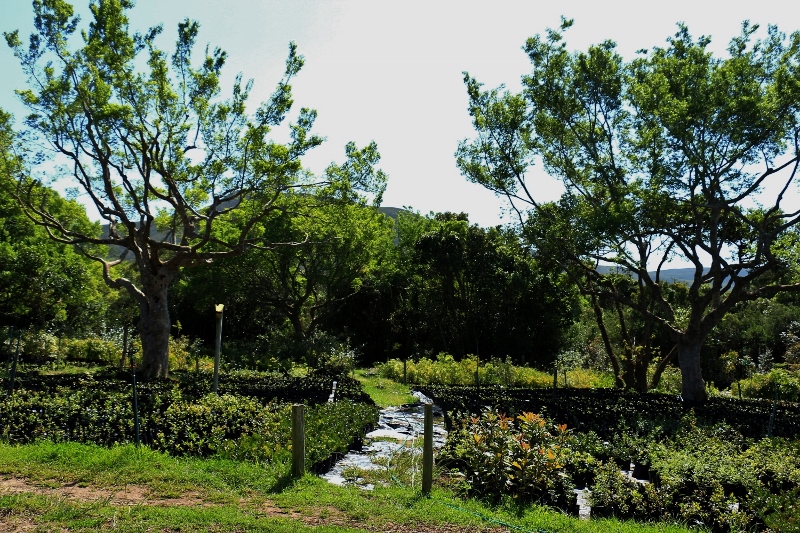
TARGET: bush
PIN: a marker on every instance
(38, 346)
(181, 418)
(184, 353)
(710, 476)
(90, 350)
(786, 382)
(201, 427)
(470, 371)
(523, 457)
(706, 476)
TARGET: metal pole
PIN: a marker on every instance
(218, 308)
(10, 348)
(298, 441)
(124, 347)
(774, 408)
(13, 375)
(136, 408)
(427, 450)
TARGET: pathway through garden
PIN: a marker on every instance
(399, 429)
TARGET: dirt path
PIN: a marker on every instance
(132, 495)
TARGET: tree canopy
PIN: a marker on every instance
(666, 157)
(149, 141)
(44, 284)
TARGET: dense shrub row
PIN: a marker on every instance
(42, 347)
(783, 381)
(607, 411)
(704, 475)
(445, 370)
(264, 386)
(180, 418)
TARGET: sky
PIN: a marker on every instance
(392, 71)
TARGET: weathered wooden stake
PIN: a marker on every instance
(427, 450)
(298, 441)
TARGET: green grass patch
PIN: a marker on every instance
(236, 496)
(384, 391)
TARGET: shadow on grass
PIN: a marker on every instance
(283, 482)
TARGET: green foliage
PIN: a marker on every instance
(476, 290)
(338, 361)
(710, 476)
(181, 175)
(39, 346)
(786, 383)
(615, 494)
(284, 294)
(250, 419)
(202, 427)
(184, 353)
(91, 350)
(445, 370)
(523, 457)
(384, 392)
(752, 330)
(660, 157)
(670, 382)
(43, 284)
(610, 411)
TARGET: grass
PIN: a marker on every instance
(385, 392)
(226, 496)
(75, 487)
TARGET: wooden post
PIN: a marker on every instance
(298, 441)
(427, 450)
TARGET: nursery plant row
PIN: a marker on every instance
(249, 419)
(605, 411)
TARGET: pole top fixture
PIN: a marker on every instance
(218, 308)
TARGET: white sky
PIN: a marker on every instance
(392, 71)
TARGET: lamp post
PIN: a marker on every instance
(218, 308)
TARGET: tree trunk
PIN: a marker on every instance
(693, 388)
(641, 363)
(619, 382)
(662, 365)
(154, 327)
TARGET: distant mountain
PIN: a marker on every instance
(391, 212)
(670, 275)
